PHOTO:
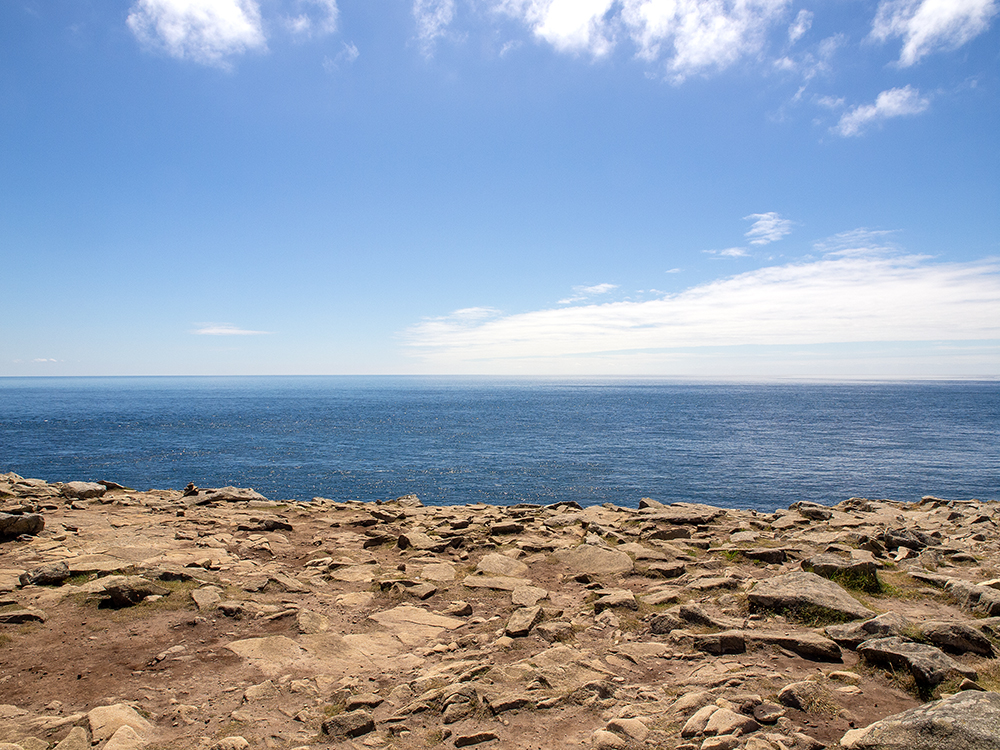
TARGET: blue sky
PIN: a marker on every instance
(692, 188)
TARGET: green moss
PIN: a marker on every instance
(859, 581)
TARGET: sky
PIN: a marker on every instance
(737, 189)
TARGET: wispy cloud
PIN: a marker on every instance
(847, 295)
(888, 104)
(801, 25)
(767, 228)
(315, 18)
(44, 359)
(205, 31)
(929, 25)
(432, 18)
(224, 329)
(586, 292)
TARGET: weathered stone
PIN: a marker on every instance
(20, 616)
(83, 490)
(807, 645)
(853, 633)
(928, 664)
(692, 514)
(497, 583)
(806, 594)
(130, 590)
(106, 720)
(126, 738)
(527, 596)
(475, 738)
(725, 721)
(666, 569)
(235, 742)
(522, 621)
(12, 526)
(311, 623)
(860, 573)
(767, 712)
(501, 565)
(802, 695)
(610, 598)
(969, 720)
(77, 739)
(769, 555)
(47, 575)
(602, 739)
(699, 719)
(349, 724)
(594, 560)
(207, 598)
(262, 691)
(956, 637)
(632, 728)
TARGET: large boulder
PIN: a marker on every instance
(929, 665)
(83, 490)
(969, 720)
(807, 596)
(12, 526)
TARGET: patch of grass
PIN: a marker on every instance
(231, 728)
(731, 554)
(859, 581)
(5, 640)
(989, 676)
(813, 616)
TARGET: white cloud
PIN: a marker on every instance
(568, 25)
(432, 18)
(767, 228)
(347, 55)
(202, 30)
(696, 36)
(852, 297)
(929, 25)
(224, 329)
(306, 24)
(586, 292)
(801, 25)
(44, 359)
(888, 104)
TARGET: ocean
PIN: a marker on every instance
(506, 441)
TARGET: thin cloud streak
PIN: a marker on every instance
(225, 329)
(767, 228)
(843, 297)
(888, 104)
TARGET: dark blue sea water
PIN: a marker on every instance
(508, 441)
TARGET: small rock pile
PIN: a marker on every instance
(217, 619)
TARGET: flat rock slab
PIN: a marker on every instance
(270, 654)
(350, 724)
(969, 720)
(497, 583)
(929, 665)
(807, 645)
(807, 593)
(14, 525)
(594, 560)
(413, 625)
(693, 514)
(105, 721)
(522, 621)
(501, 565)
(83, 490)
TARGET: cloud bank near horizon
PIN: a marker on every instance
(858, 291)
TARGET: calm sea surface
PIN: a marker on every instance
(508, 441)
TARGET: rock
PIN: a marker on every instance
(311, 623)
(270, 654)
(126, 738)
(363, 700)
(594, 560)
(690, 514)
(602, 739)
(77, 739)
(207, 598)
(20, 616)
(83, 490)
(807, 645)
(105, 721)
(440, 572)
(265, 690)
(858, 573)
(852, 634)
(226, 495)
(47, 575)
(956, 637)
(768, 713)
(522, 621)
(768, 555)
(13, 526)
(975, 597)
(725, 721)
(349, 724)
(610, 598)
(699, 719)
(806, 596)
(130, 590)
(722, 742)
(632, 728)
(501, 565)
(555, 630)
(969, 720)
(802, 695)
(231, 743)
(527, 596)
(928, 664)
(729, 642)
(476, 738)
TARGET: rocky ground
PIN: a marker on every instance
(219, 619)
